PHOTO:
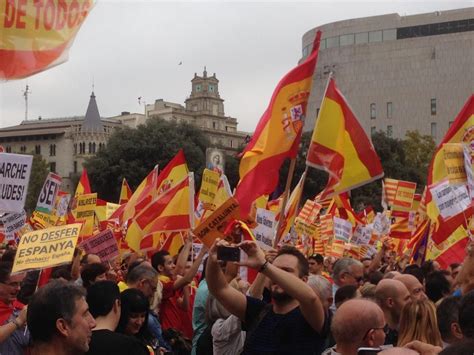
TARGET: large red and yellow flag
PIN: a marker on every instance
(36, 35)
(277, 135)
(170, 211)
(83, 187)
(125, 192)
(340, 146)
(461, 131)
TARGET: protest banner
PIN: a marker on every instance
(361, 235)
(342, 229)
(265, 230)
(213, 227)
(454, 162)
(49, 191)
(450, 199)
(15, 172)
(310, 211)
(37, 35)
(42, 220)
(305, 229)
(12, 223)
(468, 160)
(326, 227)
(85, 211)
(209, 185)
(46, 247)
(62, 203)
(405, 194)
(381, 224)
(104, 245)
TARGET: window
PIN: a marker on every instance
(433, 130)
(362, 37)
(226, 128)
(372, 111)
(52, 150)
(346, 40)
(332, 42)
(52, 167)
(198, 88)
(37, 149)
(373, 129)
(305, 51)
(75, 166)
(211, 88)
(375, 36)
(433, 107)
(389, 131)
(23, 149)
(317, 112)
(75, 148)
(8, 149)
(389, 109)
(389, 35)
(90, 148)
(93, 148)
(231, 143)
(214, 125)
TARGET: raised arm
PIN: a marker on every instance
(183, 256)
(310, 304)
(189, 275)
(234, 301)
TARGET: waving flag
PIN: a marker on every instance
(340, 146)
(36, 35)
(461, 131)
(83, 187)
(125, 192)
(277, 135)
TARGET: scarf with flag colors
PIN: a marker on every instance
(277, 135)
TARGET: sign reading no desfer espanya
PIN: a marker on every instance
(104, 245)
(46, 247)
(15, 172)
(49, 191)
(213, 227)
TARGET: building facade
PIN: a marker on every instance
(398, 73)
(204, 108)
(64, 143)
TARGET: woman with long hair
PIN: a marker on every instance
(418, 322)
(134, 318)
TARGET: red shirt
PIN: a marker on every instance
(170, 316)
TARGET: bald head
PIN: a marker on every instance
(392, 295)
(416, 289)
(355, 319)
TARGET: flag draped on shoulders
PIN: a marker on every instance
(278, 133)
(340, 146)
(461, 131)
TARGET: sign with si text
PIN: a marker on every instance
(49, 191)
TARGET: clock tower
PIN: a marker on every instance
(205, 97)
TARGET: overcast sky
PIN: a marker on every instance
(133, 48)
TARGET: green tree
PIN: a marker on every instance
(39, 172)
(419, 150)
(132, 154)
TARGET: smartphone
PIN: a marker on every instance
(368, 351)
(228, 253)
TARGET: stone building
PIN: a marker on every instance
(63, 142)
(204, 108)
(398, 73)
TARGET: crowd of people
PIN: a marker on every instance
(198, 304)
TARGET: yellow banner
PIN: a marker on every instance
(85, 211)
(209, 185)
(46, 247)
(454, 161)
(44, 220)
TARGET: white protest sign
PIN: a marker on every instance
(49, 191)
(15, 172)
(451, 200)
(468, 168)
(381, 225)
(342, 229)
(362, 235)
(12, 222)
(265, 229)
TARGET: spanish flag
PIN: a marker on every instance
(277, 135)
(340, 146)
(125, 192)
(461, 131)
(171, 211)
(83, 187)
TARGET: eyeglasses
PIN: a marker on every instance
(384, 328)
(357, 278)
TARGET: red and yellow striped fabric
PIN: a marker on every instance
(340, 146)
(461, 131)
(277, 135)
(125, 192)
(37, 36)
(83, 187)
